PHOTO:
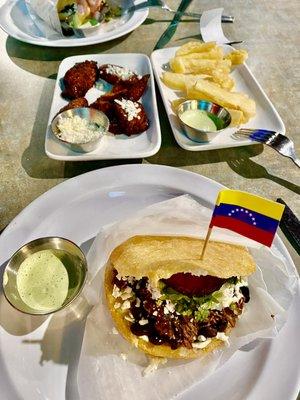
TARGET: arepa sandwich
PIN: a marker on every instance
(168, 302)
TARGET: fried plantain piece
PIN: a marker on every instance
(131, 116)
(115, 93)
(132, 91)
(76, 103)
(105, 106)
(113, 74)
(79, 79)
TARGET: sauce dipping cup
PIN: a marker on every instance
(219, 115)
(69, 254)
(91, 115)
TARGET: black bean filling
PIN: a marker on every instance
(173, 329)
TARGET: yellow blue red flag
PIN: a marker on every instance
(247, 214)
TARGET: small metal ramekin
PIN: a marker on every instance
(69, 253)
(219, 115)
(90, 114)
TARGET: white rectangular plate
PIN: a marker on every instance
(111, 147)
(266, 115)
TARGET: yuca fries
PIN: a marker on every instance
(216, 53)
(201, 72)
(195, 47)
(178, 81)
(237, 57)
(237, 117)
(195, 66)
(236, 101)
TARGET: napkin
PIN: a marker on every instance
(211, 26)
(110, 368)
(44, 15)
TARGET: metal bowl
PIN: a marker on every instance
(68, 252)
(90, 114)
(219, 115)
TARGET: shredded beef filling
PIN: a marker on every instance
(171, 328)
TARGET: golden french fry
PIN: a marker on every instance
(237, 57)
(238, 101)
(216, 53)
(195, 66)
(176, 103)
(195, 47)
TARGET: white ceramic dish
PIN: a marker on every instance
(16, 22)
(38, 360)
(266, 115)
(111, 146)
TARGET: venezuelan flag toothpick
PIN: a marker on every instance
(249, 215)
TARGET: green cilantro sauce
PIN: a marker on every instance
(198, 119)
(42, 281)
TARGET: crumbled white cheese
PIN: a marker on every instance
(143, 321)
(201, 338)
(222, 336)
(75, 129)
(155, 293)
(122, 72)
(144, 337)
(130, 279)
(123, 356)
(125, 305)
(201, 345)
(169, 307)
(155, 313)
(117, 305)
(228, 294)
(114, 331)
(126, 296)
(116, 292)
(131, 108)
(138, 302)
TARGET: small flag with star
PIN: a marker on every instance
(252, 216)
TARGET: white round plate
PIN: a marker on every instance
(38, 358)
(16, 22)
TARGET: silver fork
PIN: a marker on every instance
(276, 140)
(162, 4)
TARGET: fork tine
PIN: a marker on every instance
(260, 135)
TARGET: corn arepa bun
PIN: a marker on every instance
(123, 326)
(158, 257)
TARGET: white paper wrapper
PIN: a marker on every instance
(104, 374)
(44, 15)
(211, 26)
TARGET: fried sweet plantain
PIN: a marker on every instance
(76, 103)
(79, 79)
(131, 116)
(115, 74)
(132, 91)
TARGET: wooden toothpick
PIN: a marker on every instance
(206, 242)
